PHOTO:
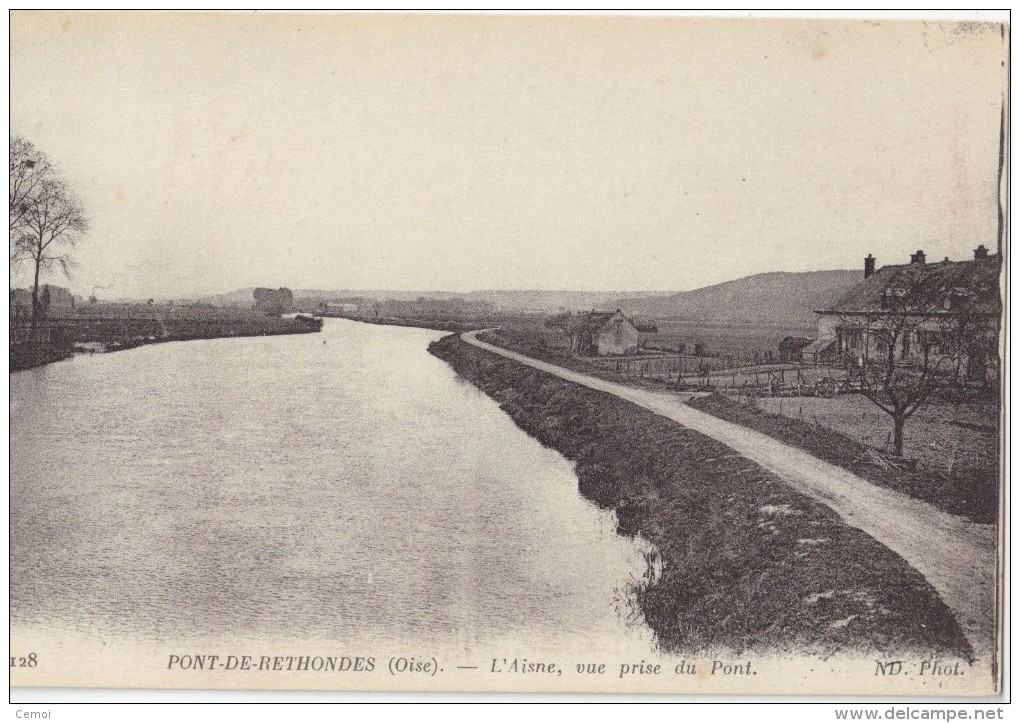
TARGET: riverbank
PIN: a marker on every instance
(25, 356)
(742, 562)
(434, 324)
(119, 330)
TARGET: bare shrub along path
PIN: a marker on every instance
(958, 557)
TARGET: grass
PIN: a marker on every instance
(741, 342)
(742, 562)
(969, 487)
(943, 436)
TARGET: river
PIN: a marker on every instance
(343, 487)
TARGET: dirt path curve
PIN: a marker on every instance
(958, 557)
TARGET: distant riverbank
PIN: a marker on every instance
(125, 327)
(741, 562)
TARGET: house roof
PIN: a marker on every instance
(595, 320)
(818, 346)
(795, 343)
(926, 288)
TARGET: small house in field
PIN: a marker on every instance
(792, 347)
(822, 350)
(604, 333)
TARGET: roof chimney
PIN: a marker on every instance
(869, 266)
(980, 252)
(917, 258)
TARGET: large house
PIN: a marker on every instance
(934, 310)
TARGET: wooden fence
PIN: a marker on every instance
(692, 373)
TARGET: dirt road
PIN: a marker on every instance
(957, 556)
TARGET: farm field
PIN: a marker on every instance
(740, 342)
(941, 436)
(955, 444)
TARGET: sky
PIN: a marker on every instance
(433, 152)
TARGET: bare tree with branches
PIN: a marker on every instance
(914, 330)
(568, 324)
(975, 340)
(895, 378)
(52, 224)
(29, 168)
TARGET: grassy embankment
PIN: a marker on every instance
(28, 356)
(436, 324)
(970, 487)
(742, 562)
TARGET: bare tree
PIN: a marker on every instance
(905, 356)
(568, 324)
(29, 168)
(52, 223)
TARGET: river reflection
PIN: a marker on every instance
(342, 486)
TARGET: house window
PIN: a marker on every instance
(905, 346)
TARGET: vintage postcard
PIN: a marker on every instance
(507, 353)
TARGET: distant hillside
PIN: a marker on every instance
(773, 299)
(241, 297)
(551, 300)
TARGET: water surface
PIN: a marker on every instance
(342, 486)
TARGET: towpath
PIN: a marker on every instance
(958, 557)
